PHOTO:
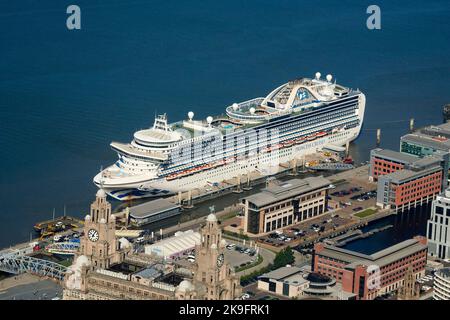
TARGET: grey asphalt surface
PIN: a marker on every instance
(42, 290)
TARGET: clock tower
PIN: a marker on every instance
(99, 241)
(212, 271)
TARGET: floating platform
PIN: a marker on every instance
(58, 224)
(153, 211)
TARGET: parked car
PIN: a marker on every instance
(273, 235)
(139, 240)
(245, 296)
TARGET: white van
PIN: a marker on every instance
(140, 240)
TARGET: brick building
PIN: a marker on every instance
(384, 161)
(408, 188)
(369, 276)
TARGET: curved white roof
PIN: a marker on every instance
(157, 136)
(182, 241)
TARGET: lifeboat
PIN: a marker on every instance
(288, 143)
(300, 140)
(321, 134)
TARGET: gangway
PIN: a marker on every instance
(16, 263)
(63, 248)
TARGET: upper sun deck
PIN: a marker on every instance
(296, 96)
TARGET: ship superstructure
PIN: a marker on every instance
(297, 118)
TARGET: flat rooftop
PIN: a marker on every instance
(151, 208)
(437, 130)
(151, 272)
(287, 189)
(380, 258)
(283, 273)
(429, 141)
(126, 267)
(403, 175)
(393, 155)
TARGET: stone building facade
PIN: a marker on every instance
(105, 269)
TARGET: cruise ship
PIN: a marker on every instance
(298, 118)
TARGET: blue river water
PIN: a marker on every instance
(65, 95)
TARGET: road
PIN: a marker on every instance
(41, 290)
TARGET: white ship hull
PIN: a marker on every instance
(266, 164)
(296, 119)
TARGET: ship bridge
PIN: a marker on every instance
(160, 136)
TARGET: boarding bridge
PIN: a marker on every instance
(16, 263)
(63, 248)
